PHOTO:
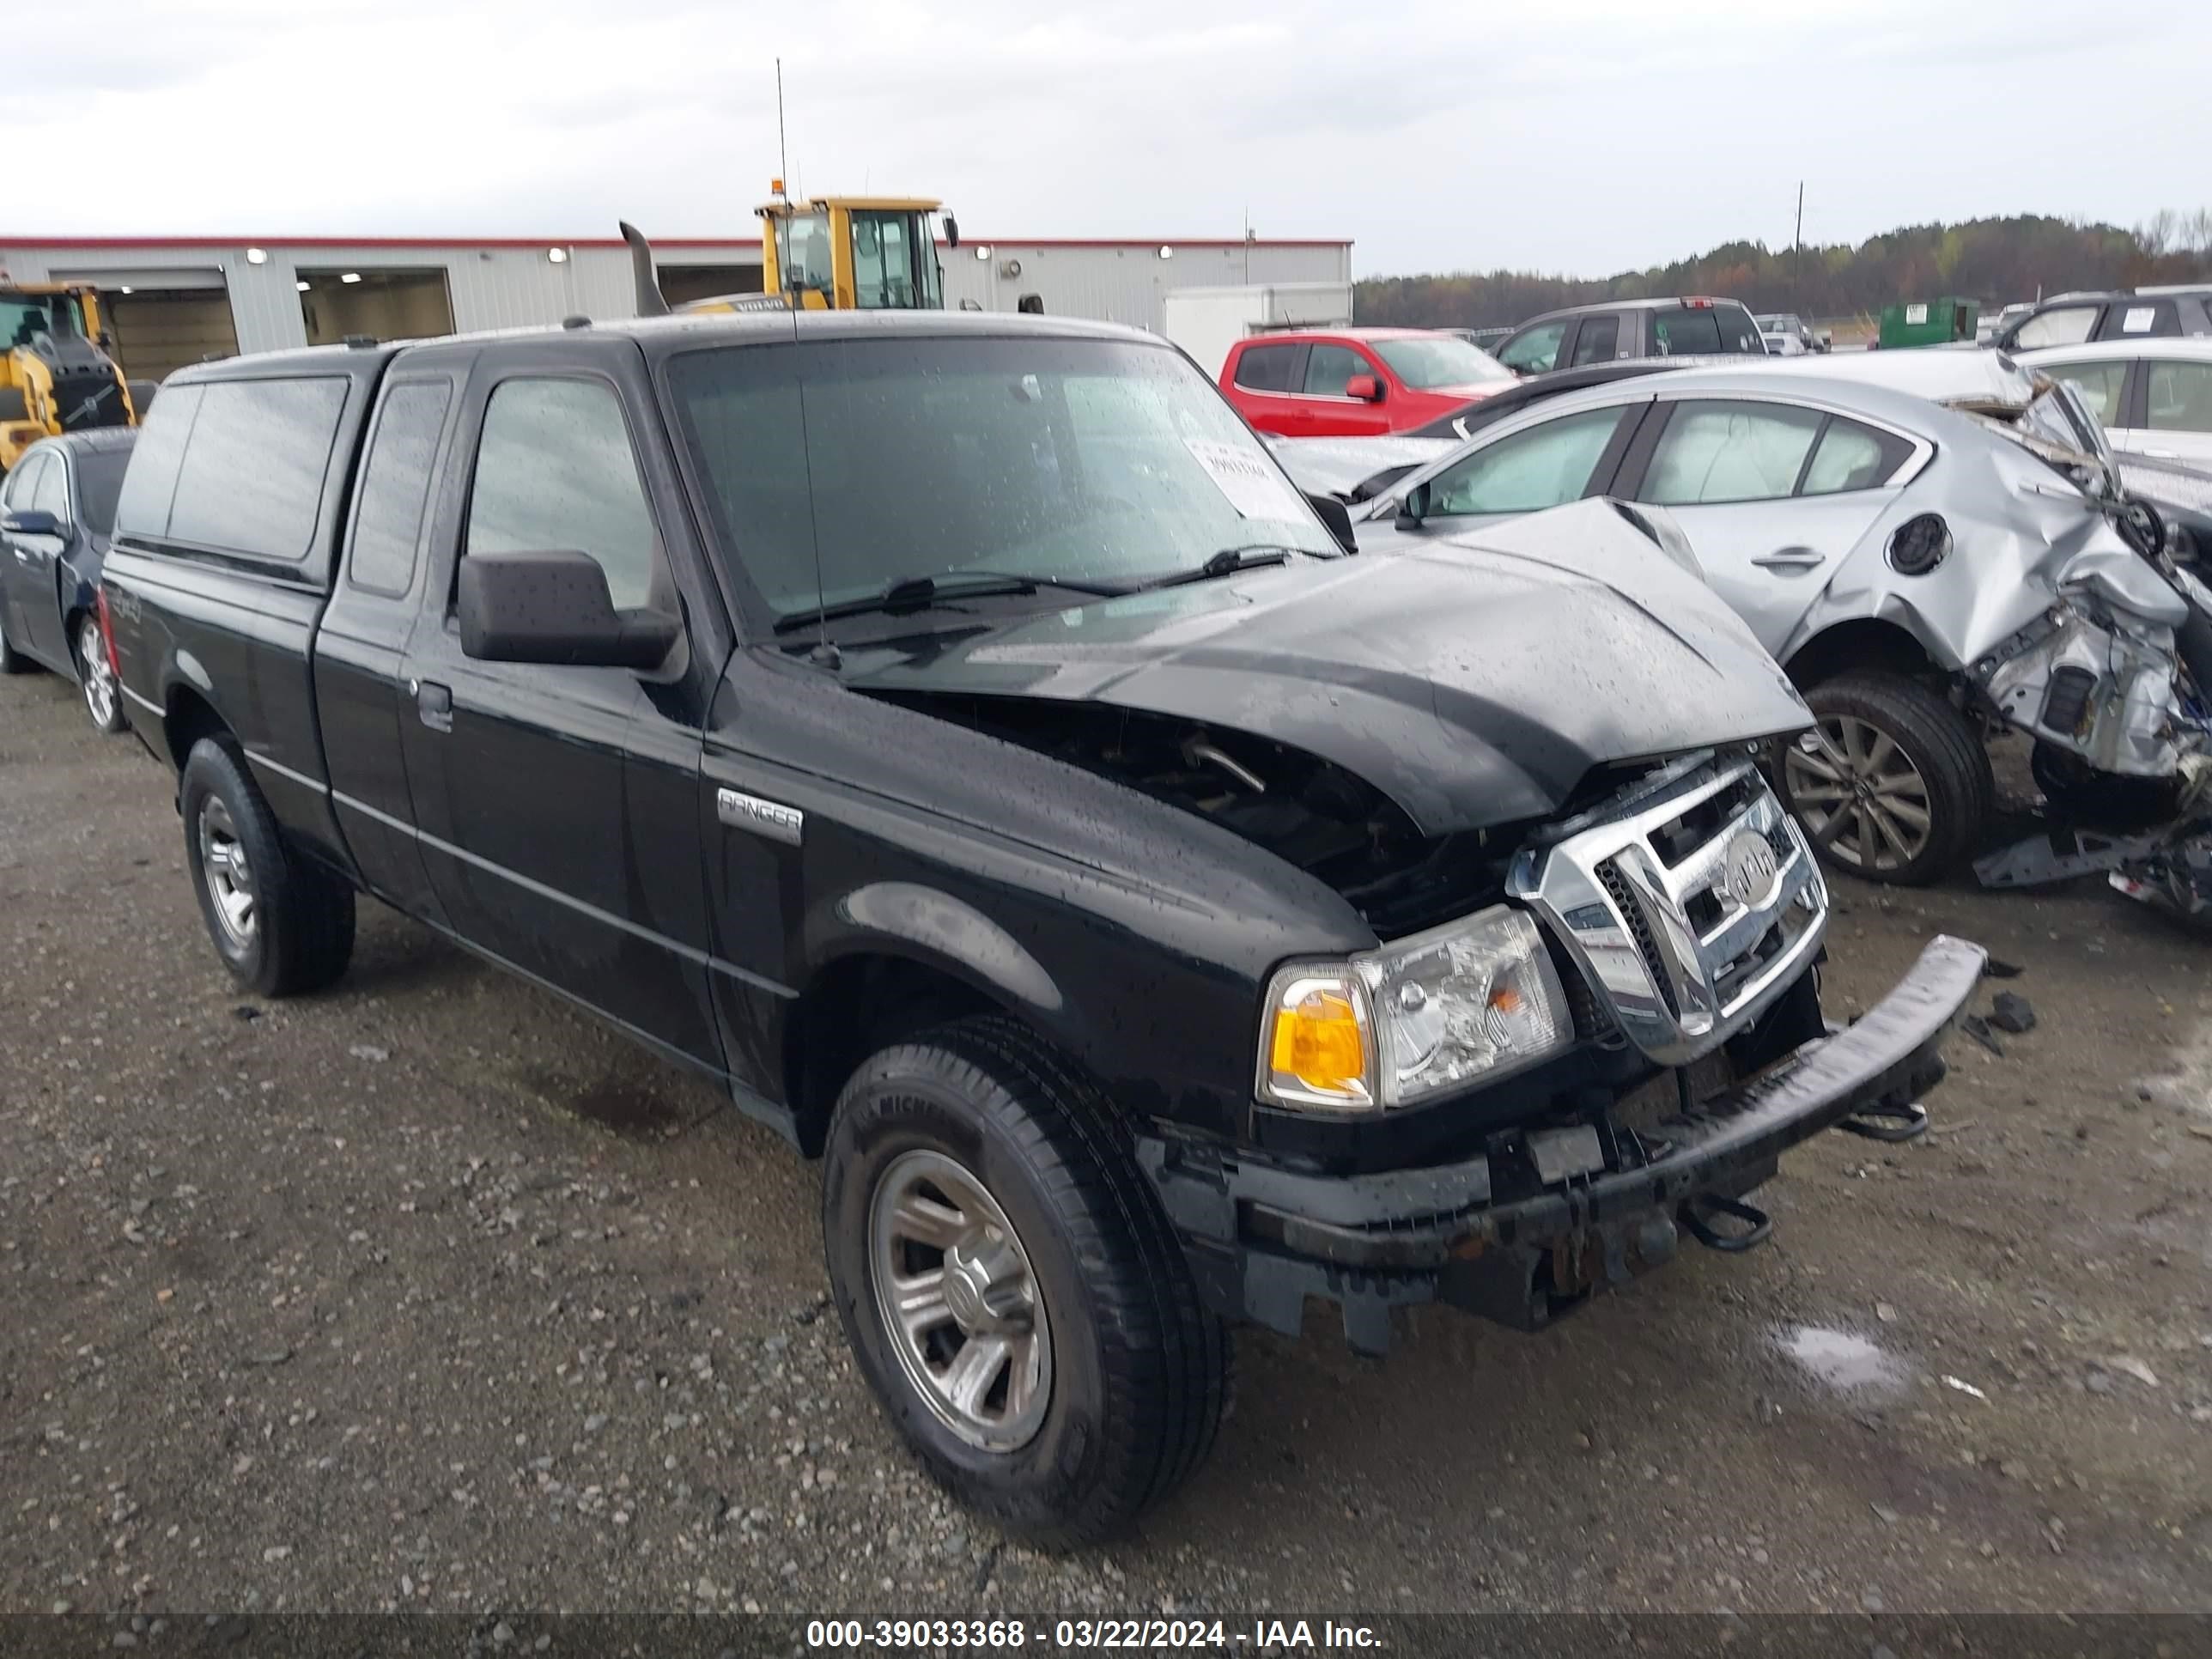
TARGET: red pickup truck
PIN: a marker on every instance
(1356, 382)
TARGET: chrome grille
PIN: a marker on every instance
(1672, 912)
(1639, 929)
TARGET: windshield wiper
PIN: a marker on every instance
(1227, 562)
(920, 592)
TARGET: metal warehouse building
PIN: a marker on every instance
(176, 300)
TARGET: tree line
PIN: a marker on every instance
(1993, 260)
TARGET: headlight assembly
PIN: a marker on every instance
(1390, 1027)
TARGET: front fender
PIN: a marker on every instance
(935, 927)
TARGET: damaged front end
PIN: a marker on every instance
(1686, 912)
(2113, 681)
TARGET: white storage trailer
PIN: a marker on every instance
(1206, 321)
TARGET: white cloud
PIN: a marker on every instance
(1585, 135)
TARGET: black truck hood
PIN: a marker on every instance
(1475, 680)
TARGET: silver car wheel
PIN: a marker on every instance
(229, 877)
(97, 678)
(959, 1301)
(1859, 792)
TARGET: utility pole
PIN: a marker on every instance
(782, 151)
(1797, 259)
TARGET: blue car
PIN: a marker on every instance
(57, 509)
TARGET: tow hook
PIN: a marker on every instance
(1699, 1211)
(1882, 1120)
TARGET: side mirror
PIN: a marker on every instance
(31, 521)
(554, 608)
(1413, 509)
(952, 231)
(1337, 516)
(1366, 387)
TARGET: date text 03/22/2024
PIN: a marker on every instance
(1261, 1635)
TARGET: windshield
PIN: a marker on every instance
(1439, 360)
(22, 315)
(836, 468)
(99, 482)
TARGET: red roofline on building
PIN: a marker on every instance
(8, 240)
(142, 243)
(966, 241)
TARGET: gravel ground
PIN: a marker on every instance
(425, 1292)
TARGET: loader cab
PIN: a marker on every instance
(853, 253)
(55, 374)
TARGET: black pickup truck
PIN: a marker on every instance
(955, 738)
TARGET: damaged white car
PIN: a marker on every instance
(1925, 573)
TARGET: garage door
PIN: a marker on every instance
(379, 304)
(157, 333)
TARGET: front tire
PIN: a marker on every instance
(12, 661)
(282, 924)
(95, 678)
(1011, 1288)
(1892, 784)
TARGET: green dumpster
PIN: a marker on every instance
(1927, 322)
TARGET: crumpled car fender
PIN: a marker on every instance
(2016, 530)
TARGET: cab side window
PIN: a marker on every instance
(556, 473)
(1267, 367)
(1330, 369)
(395, 486)
(1545, 465)
(1599, 341)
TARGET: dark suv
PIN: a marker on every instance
(956, 739)
(1688, 327)
(2116, 314)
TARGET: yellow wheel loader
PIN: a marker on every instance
(831, 253)
(55, 376)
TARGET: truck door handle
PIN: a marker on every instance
(434, 703)
(1789, 559)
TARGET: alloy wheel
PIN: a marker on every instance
(230, 876)
(1859, 794)
(959, 1301)
(98, 679)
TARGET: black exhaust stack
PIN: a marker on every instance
(651, 302)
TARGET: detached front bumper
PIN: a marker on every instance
(1263, 1238)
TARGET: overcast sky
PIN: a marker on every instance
(1578, 136)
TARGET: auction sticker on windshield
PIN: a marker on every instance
(1254, 489)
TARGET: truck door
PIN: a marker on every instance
(360, 647)
(557, 804)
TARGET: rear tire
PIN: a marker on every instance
(281, 924)
(1892, 784)
(988, 1133)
